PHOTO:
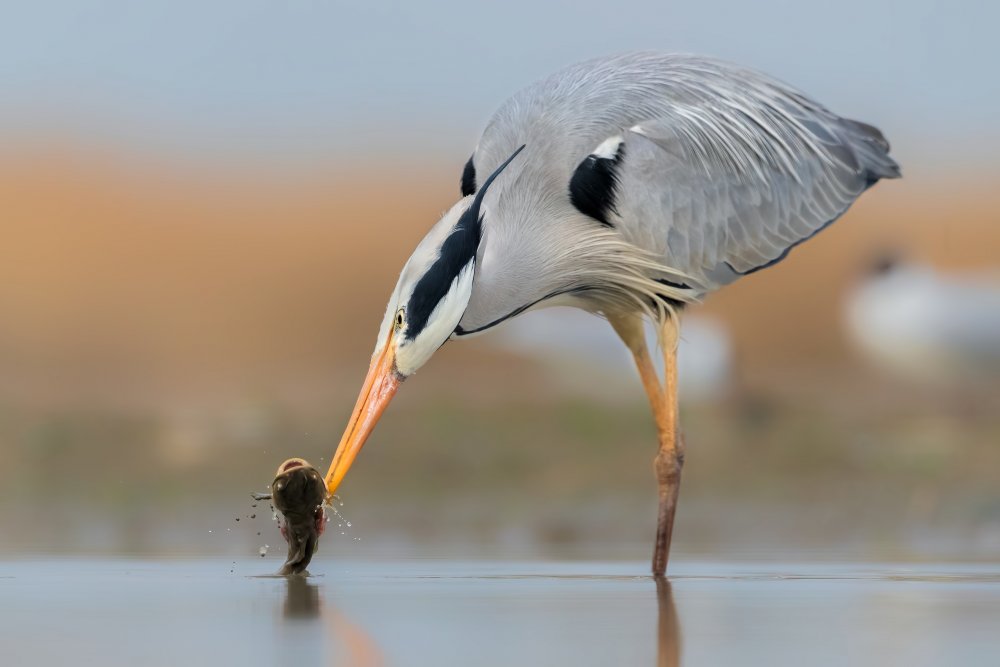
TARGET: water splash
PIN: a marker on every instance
(342, 521)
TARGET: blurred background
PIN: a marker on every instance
(203, 207)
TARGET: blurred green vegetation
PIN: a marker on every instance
(765, 473)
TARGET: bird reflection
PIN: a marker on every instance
(303, 601)
(668, 629)
(343, 638)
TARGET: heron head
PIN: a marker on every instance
(426, 306)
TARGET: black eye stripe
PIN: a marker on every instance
(457, 251)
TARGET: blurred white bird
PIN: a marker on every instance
(926, 325)
(591, 360)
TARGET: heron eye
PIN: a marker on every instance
(399, 318)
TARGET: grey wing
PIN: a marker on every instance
(729, 179)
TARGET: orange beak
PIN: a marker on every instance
(380, 386)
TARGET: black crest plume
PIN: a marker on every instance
(456, 252)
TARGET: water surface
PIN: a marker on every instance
(434, 612)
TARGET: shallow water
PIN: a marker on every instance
(434, 612)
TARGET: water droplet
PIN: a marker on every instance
(348, 524)
(253, 516)
(237, 518)
(263, 550)
(210, 530)
(258, 532)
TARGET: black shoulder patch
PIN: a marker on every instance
(469, 178)
(593, 186)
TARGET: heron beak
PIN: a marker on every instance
(380, 386)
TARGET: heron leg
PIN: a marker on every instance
(669, 460)
(663, 400)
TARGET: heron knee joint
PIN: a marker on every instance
(668, 465)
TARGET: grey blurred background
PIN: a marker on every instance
(204, 205)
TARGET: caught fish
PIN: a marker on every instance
(299, 495)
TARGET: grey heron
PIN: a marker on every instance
(627, 186)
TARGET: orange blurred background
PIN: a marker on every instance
(176, 321)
